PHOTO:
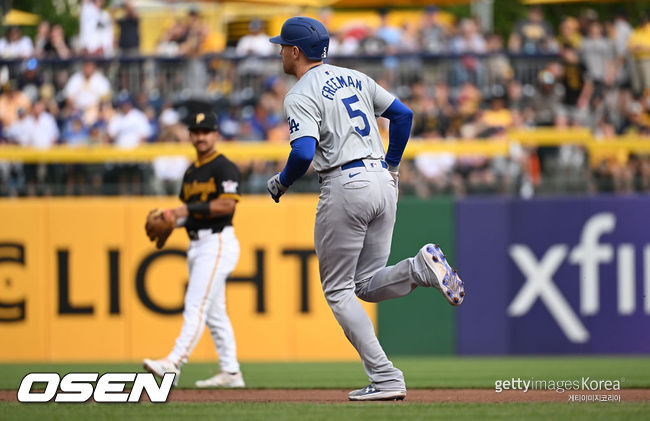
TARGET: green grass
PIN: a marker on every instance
(424, 372)
(302, 412)
(429, 372)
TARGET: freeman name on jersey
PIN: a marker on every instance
(333, 84)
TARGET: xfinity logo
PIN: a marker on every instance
(588, 255)
(78, 387)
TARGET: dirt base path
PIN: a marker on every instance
(413, 395)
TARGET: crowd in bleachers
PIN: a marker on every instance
(595, 74)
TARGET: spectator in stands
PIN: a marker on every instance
(12, 101)
(639, 46)
(29, 80)
(497, 63)
(87, 87)
(432, 34)
(532, 35)
(154, 126)
(230, 124)
(637, 118)
(545, 105)
(464, 122)
(168, 170)
(467, 43)
(621, 32)
(95, 29)
(578, 89)
(570, 32)
(98, 134)
(129, 24)
(40, 132)
(469, 39)
(171, 129)
(546, 101)
(344, 42)
(75, 132)
(41, 127)
(425, 121)
(516, 99)
(497, 118)
(597, 53)
(195, 35)
(256, 42)
(409, 43)
(391, 35)
(42, 37)
(56, 45)
(128, 129)
(445, 112)
(15, 45)
(172, 38)
(265, 123)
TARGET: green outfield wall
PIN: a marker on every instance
(421, 323)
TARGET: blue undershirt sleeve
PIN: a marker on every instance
(401, 118)
(302, 153)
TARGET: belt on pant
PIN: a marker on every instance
(196, 234)
(359, 163)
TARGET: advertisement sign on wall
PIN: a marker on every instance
(79, 281)
(555, 275)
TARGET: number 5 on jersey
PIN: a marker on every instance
(357, 113)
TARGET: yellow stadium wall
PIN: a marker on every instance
(98, 248)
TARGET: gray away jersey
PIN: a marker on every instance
(338, 107)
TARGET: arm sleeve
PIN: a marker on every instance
(303, 117)
(401, 118)
(302, 152)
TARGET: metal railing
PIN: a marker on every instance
(224, 75)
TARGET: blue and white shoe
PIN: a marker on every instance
(370, 393)
(447, 279)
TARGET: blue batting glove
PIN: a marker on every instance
(275, 188)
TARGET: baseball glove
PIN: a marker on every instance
(159, 225)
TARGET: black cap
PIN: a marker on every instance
(203, 120)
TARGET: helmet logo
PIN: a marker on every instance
(324, 55)
(200, 117)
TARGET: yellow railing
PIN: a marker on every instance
(278, 151)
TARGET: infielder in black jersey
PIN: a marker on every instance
(210, 194)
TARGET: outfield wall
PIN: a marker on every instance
(557, 275)
(79, 281)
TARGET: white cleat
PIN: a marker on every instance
(223, 379)
(447, 279)
(162, 366)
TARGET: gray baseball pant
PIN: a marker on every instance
(352, 236)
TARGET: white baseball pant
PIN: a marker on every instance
(210, 261)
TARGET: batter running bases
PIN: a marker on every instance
(210, 192)
(332, 114)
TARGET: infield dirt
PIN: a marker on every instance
(413, 395)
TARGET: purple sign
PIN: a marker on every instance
(554, 275)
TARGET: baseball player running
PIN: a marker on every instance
(332, 114)
(210, 194)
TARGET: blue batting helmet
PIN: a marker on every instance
(307, 34)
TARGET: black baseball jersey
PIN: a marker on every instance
(202, 182)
